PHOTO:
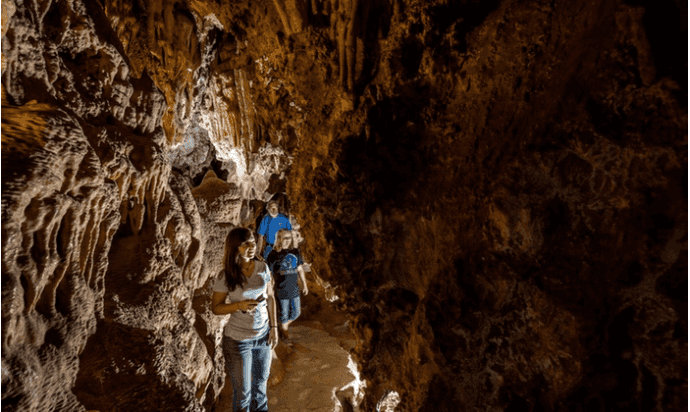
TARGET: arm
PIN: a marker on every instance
(262, 232)
(260, 245)
(302, 281)
(272, 318)
(220, 308)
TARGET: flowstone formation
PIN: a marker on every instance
(111, 233)
(494, 192)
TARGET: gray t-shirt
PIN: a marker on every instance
(243, 326)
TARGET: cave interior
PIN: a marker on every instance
(492, 196)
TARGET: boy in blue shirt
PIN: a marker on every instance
(270, 225)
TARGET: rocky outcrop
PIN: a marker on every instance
(196, 53)
(103, 247)
(494, 192)
(80, 159)
(59, 216)
(504, 211)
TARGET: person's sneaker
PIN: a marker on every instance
(284, 335)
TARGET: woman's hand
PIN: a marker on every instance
(303, 288)
(273, 338)
(302, 281)
(247, 305)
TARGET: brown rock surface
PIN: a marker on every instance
(494, 193)
(503, 205)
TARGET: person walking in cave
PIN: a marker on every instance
(244, 289)
(297, 239)
(286, 264)
(270, 225)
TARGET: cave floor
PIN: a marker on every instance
(315, 366)
(314, 361)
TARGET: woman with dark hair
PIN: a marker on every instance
(245, 290)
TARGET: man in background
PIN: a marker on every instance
(270, 225)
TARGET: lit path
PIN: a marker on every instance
(315, 366)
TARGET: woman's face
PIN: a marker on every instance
(248, 248)
(286, 242)
(296, 238)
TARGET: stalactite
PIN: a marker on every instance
(348, 20)
(341, 27)
(361, 29)
(351, 45)
(333, 27)
(283, 17)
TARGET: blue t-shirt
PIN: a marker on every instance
(270, 226)
(284, 265)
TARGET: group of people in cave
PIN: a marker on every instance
(261, 292)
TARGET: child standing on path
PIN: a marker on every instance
(286, 265)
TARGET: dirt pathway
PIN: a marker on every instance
(315, 367)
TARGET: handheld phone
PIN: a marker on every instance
(258, 300)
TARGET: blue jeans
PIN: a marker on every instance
(288, 309)
(249, 364)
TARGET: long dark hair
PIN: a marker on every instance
(233, 272)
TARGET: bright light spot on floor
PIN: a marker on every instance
(388, 402)
(353, 392)
(357, 383)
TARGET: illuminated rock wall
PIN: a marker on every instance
(106, 250)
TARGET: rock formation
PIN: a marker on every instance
(494, 192)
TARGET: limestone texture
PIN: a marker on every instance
(493, 193)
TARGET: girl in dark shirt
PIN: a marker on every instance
(286, 265)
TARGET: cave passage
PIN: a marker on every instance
(492, 197)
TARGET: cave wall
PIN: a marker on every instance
(110, 230)
(80, 158)
(504, 208)
(495, 192)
